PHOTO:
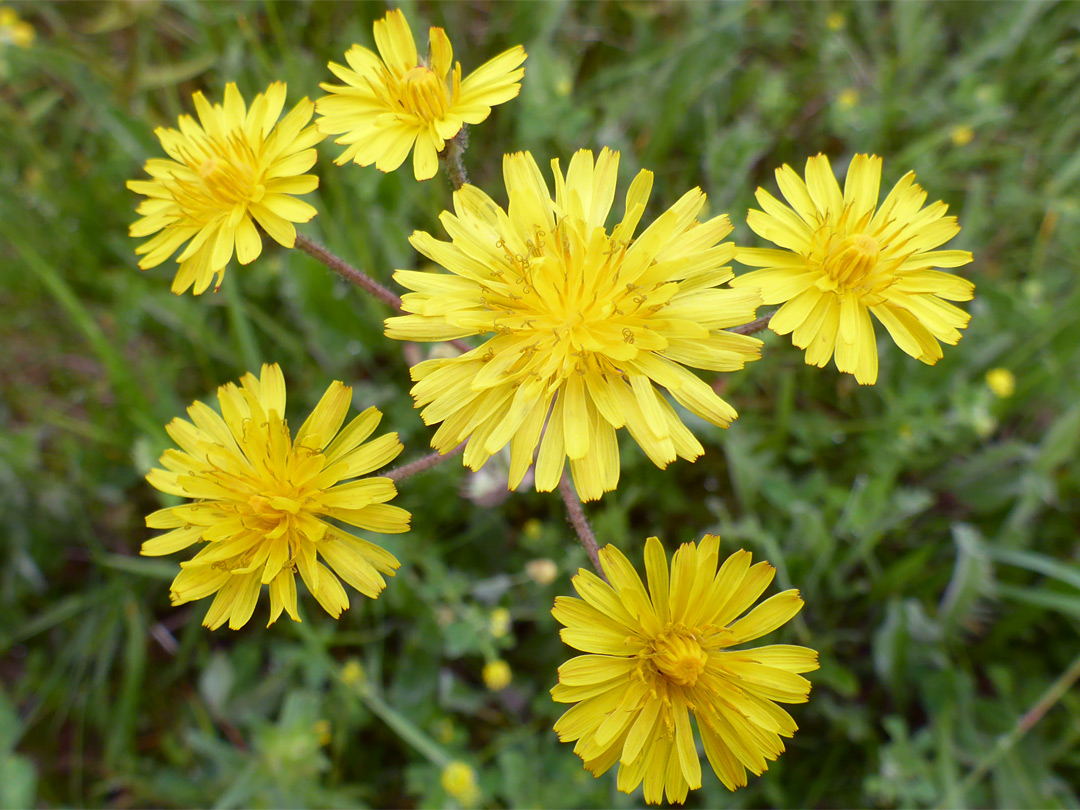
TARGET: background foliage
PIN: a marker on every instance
(931, 525)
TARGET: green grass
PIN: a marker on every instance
(931, 526)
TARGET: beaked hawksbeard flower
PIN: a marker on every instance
(238, 168)
(660, 656)
(395, 103)
(844, 257)
(585, 323)
(261, 498)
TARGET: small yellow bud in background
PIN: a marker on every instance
(962, 135)
(542, 571)
(14, 30)
(445, 731)
(563, 87)
(322, 731)
(848, 98)
(497, 675)
(532, 529)
(352, 673)
(1001, 381)
(835, 21)
(499, 622)
(459, 781)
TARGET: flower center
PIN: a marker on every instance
(568, 293)
(852, 260)
(273, 507)
(424, 94)
(679, 658)
(229, 175)
(229, 172)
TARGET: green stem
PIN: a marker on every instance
(1026, 722)
(400, 724)
(405, 729)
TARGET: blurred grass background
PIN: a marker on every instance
(931, 524)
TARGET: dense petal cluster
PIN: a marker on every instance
(657, 657)
(236, 167)
(261, 497)
(392, 101)
(843, 257)
(585, 324)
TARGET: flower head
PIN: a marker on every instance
(237, 167)
(961, 135)
(353, 674)
(497, 675)
(15, 30)
(261, 497)
(459, 781)
(660, 655)
(1002, 382)
(499, 622)
(843, 257)
(584, 323)
(398, 102)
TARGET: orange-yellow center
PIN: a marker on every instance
(851, 260)
(424, 94)
(679, 658)
(230, 176)
(565, 289)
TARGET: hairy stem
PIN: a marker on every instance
(453, 158)
(347, 271)
(581, 524)
(422, 463)
(754, 326)
(360, 279)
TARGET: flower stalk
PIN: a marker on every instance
(581, 524)
(347, 271)
(757, 325)
(421, 464)
(453, 159)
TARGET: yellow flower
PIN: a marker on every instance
(322, 730)
(585, 323)
(398, 102)
(352, 673)
(961, 135)
(459, 781)
(848, 98)
(14, 30)
(835, 21)
(239, 166)
(1001, 381)
(497, 675)
(260, 499)
(657, 656)
(841, 260)
(499, 622)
